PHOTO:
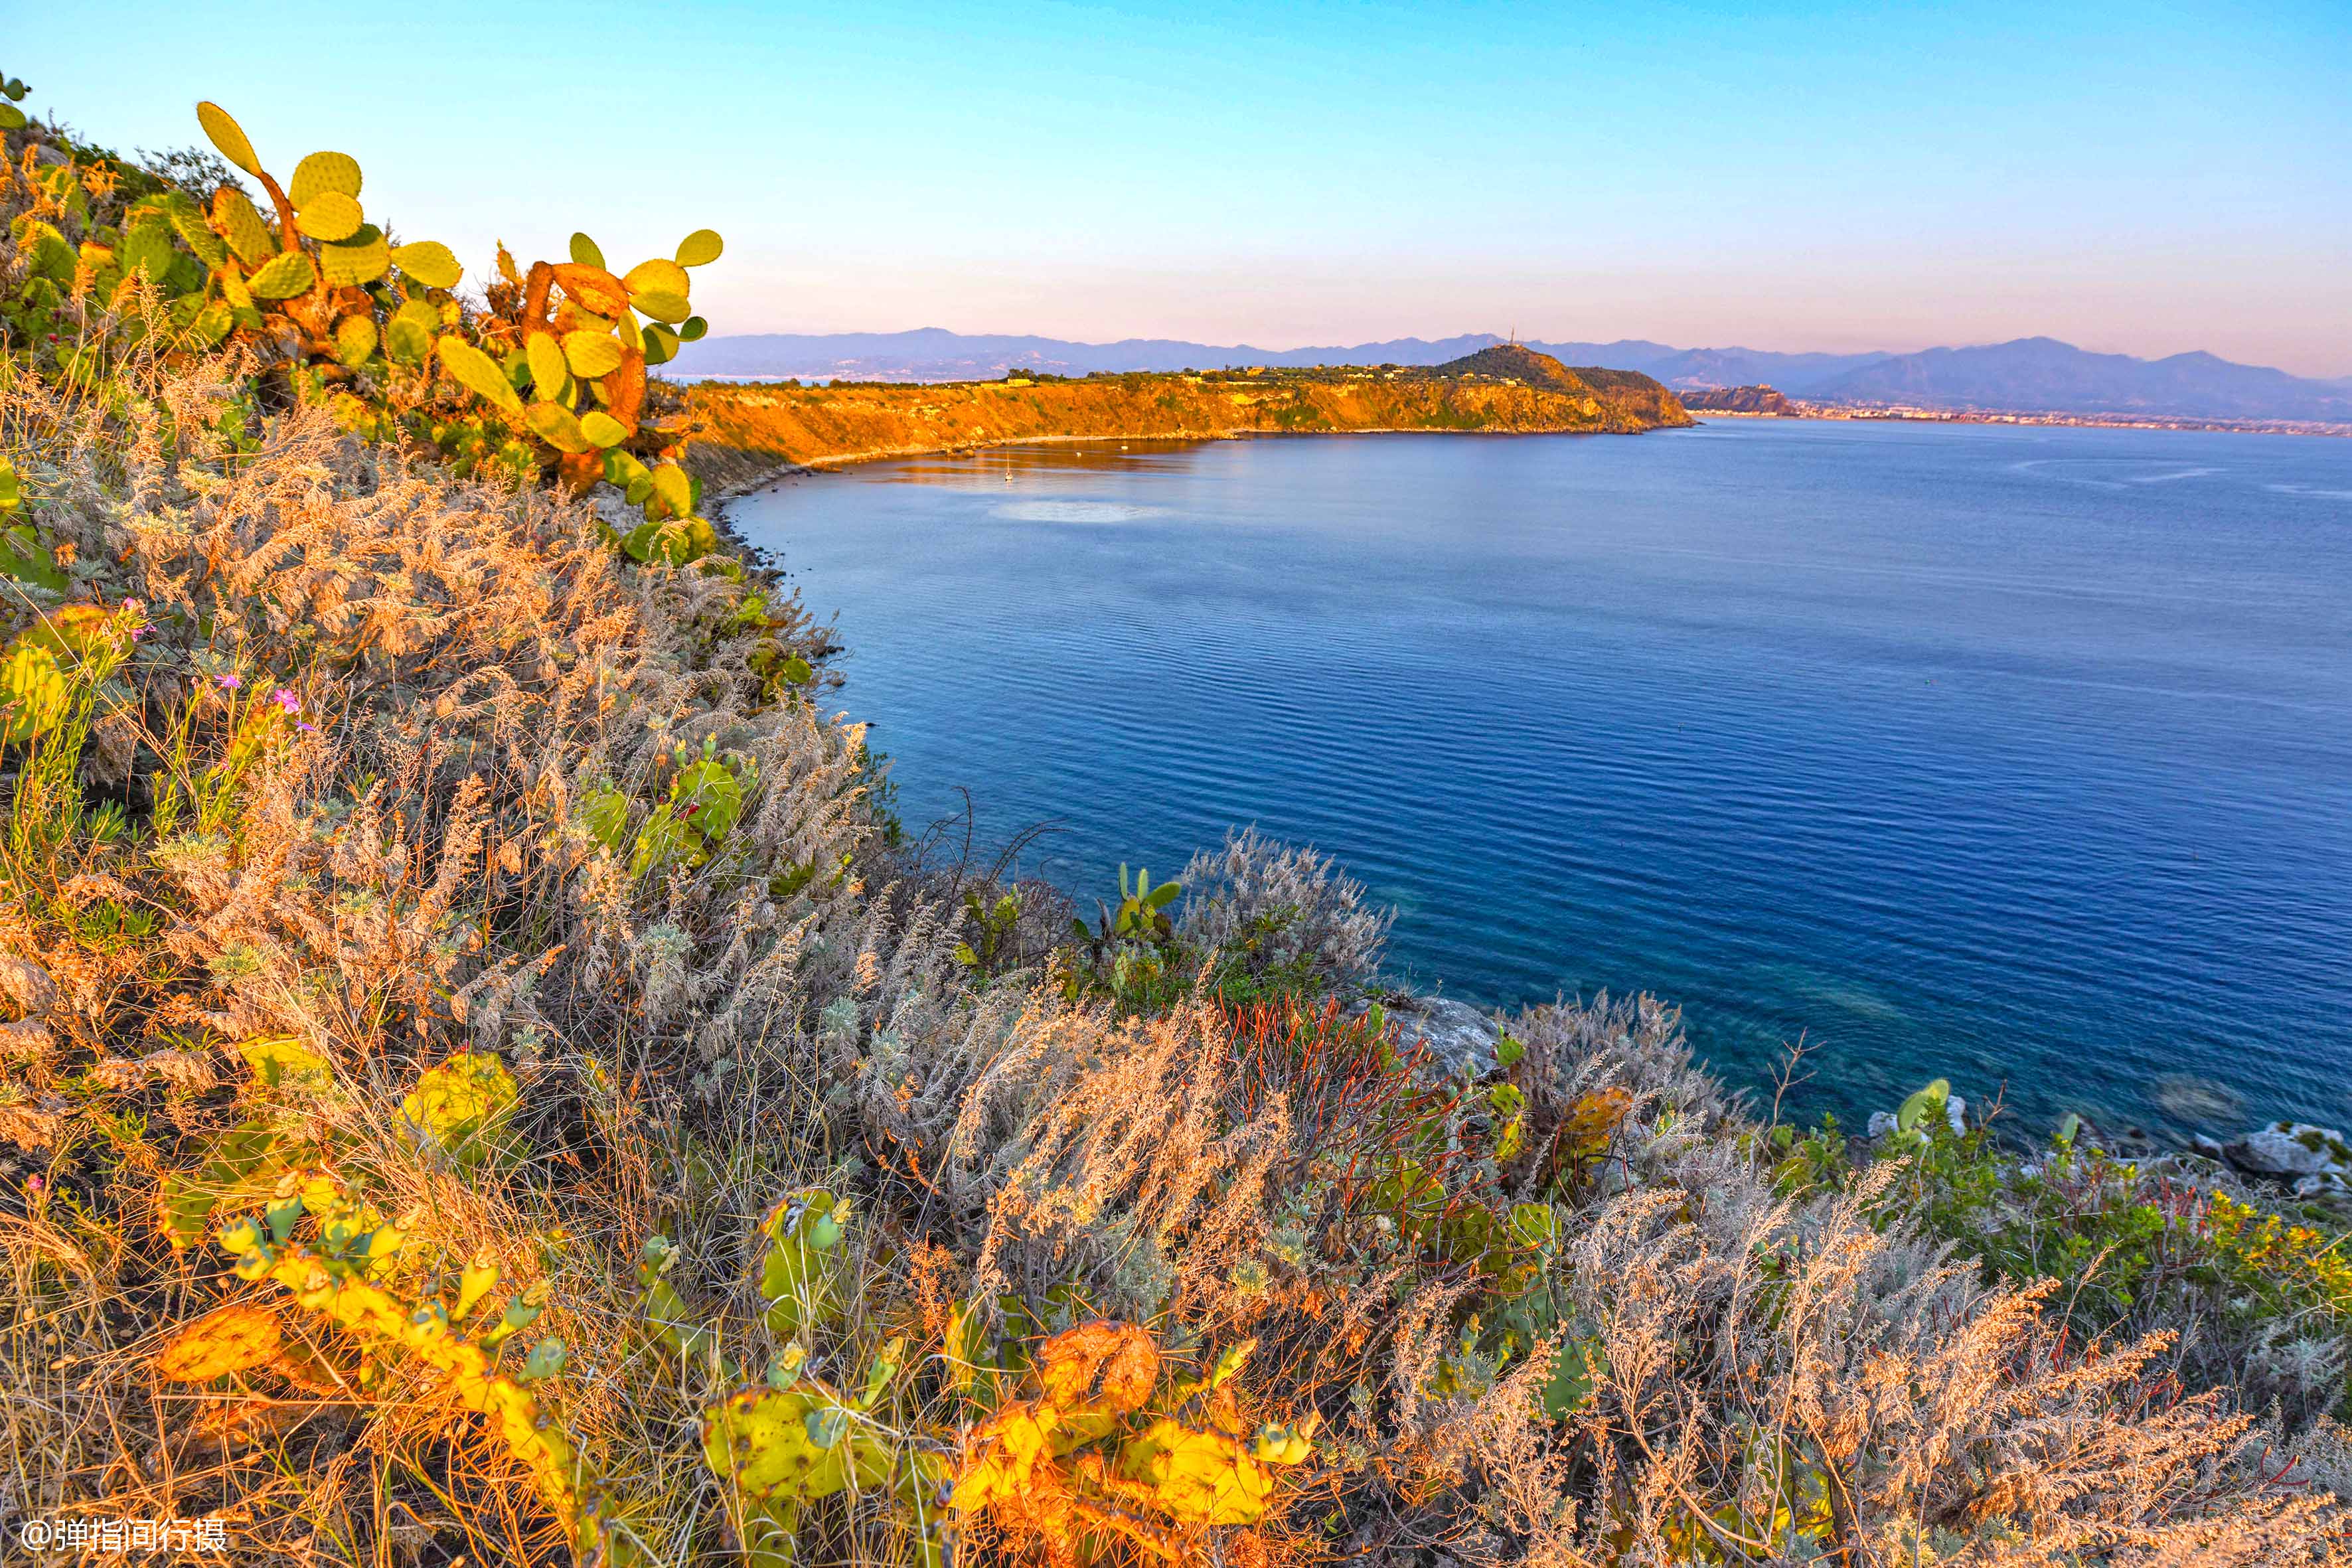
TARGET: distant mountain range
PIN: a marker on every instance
(2037, 376)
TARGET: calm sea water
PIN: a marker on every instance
(2019, 756)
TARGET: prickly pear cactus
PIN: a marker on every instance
(462, 1107)
(375, 332)
(798, 1271)
(1104, 1443)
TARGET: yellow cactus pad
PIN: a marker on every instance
(330, 215)
(430, 262)
(229, 136)
(592, 354)
(479, 373)
(226, 1340)
(323, 172)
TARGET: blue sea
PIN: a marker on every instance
(2018, 756)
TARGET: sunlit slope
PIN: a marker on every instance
(744, 429)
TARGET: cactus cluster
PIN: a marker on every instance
(544, 378)
(340, 1274)
(780, 1442)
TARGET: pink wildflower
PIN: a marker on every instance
(227, 683)
(287, 699)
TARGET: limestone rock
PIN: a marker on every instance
(2291, 1149)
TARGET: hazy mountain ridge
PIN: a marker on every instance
(2028, 375)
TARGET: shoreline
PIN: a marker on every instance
(1835, 415)
(733, 489)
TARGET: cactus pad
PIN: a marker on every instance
(602, 429)
(662, 305)
(320, 174)
(586, 254)
(479, 373)
(701, 248)
(240, 222)
(548, 373)
(462, 1106)
(429, 262)
(227, 1338)
(330, 215)
(592, 354)
(657, 277)
(355, 339)
(188, 223)
(284, 276)
(553, 424)
(363, 259)
(796, 1273)
(229, 136)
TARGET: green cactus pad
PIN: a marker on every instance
(661, 345)
(229, 136)
(553, 424)
(355, 339)
(148, 249)
(407, 341)
(35, 691)
(430, 262)
(592, 354)
(701, 248)
(329, 215)
(692, 328)
(188, 223)
(284, 276)
(237, 220)
(585, 252)
(602, 429)
(479, 373)
(363, 259)
(320, 174)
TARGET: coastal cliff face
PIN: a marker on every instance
(1738, 400)
(744, 431)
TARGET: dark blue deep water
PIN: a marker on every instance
(2019, 756)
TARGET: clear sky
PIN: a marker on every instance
(2143, 178)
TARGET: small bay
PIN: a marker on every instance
(2021, 756)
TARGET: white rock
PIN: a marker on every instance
(2291, 1149)
(1461, 1038)
(1881, 1123)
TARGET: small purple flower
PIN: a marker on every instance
(306, 726)
(227, 683)
(287, 699)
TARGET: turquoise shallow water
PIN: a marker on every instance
(2019, 756)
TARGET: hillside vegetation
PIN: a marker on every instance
(745, 431)
(483, 1078)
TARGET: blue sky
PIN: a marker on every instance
(2145, 179)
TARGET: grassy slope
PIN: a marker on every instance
(746, 430)
(379, 791)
